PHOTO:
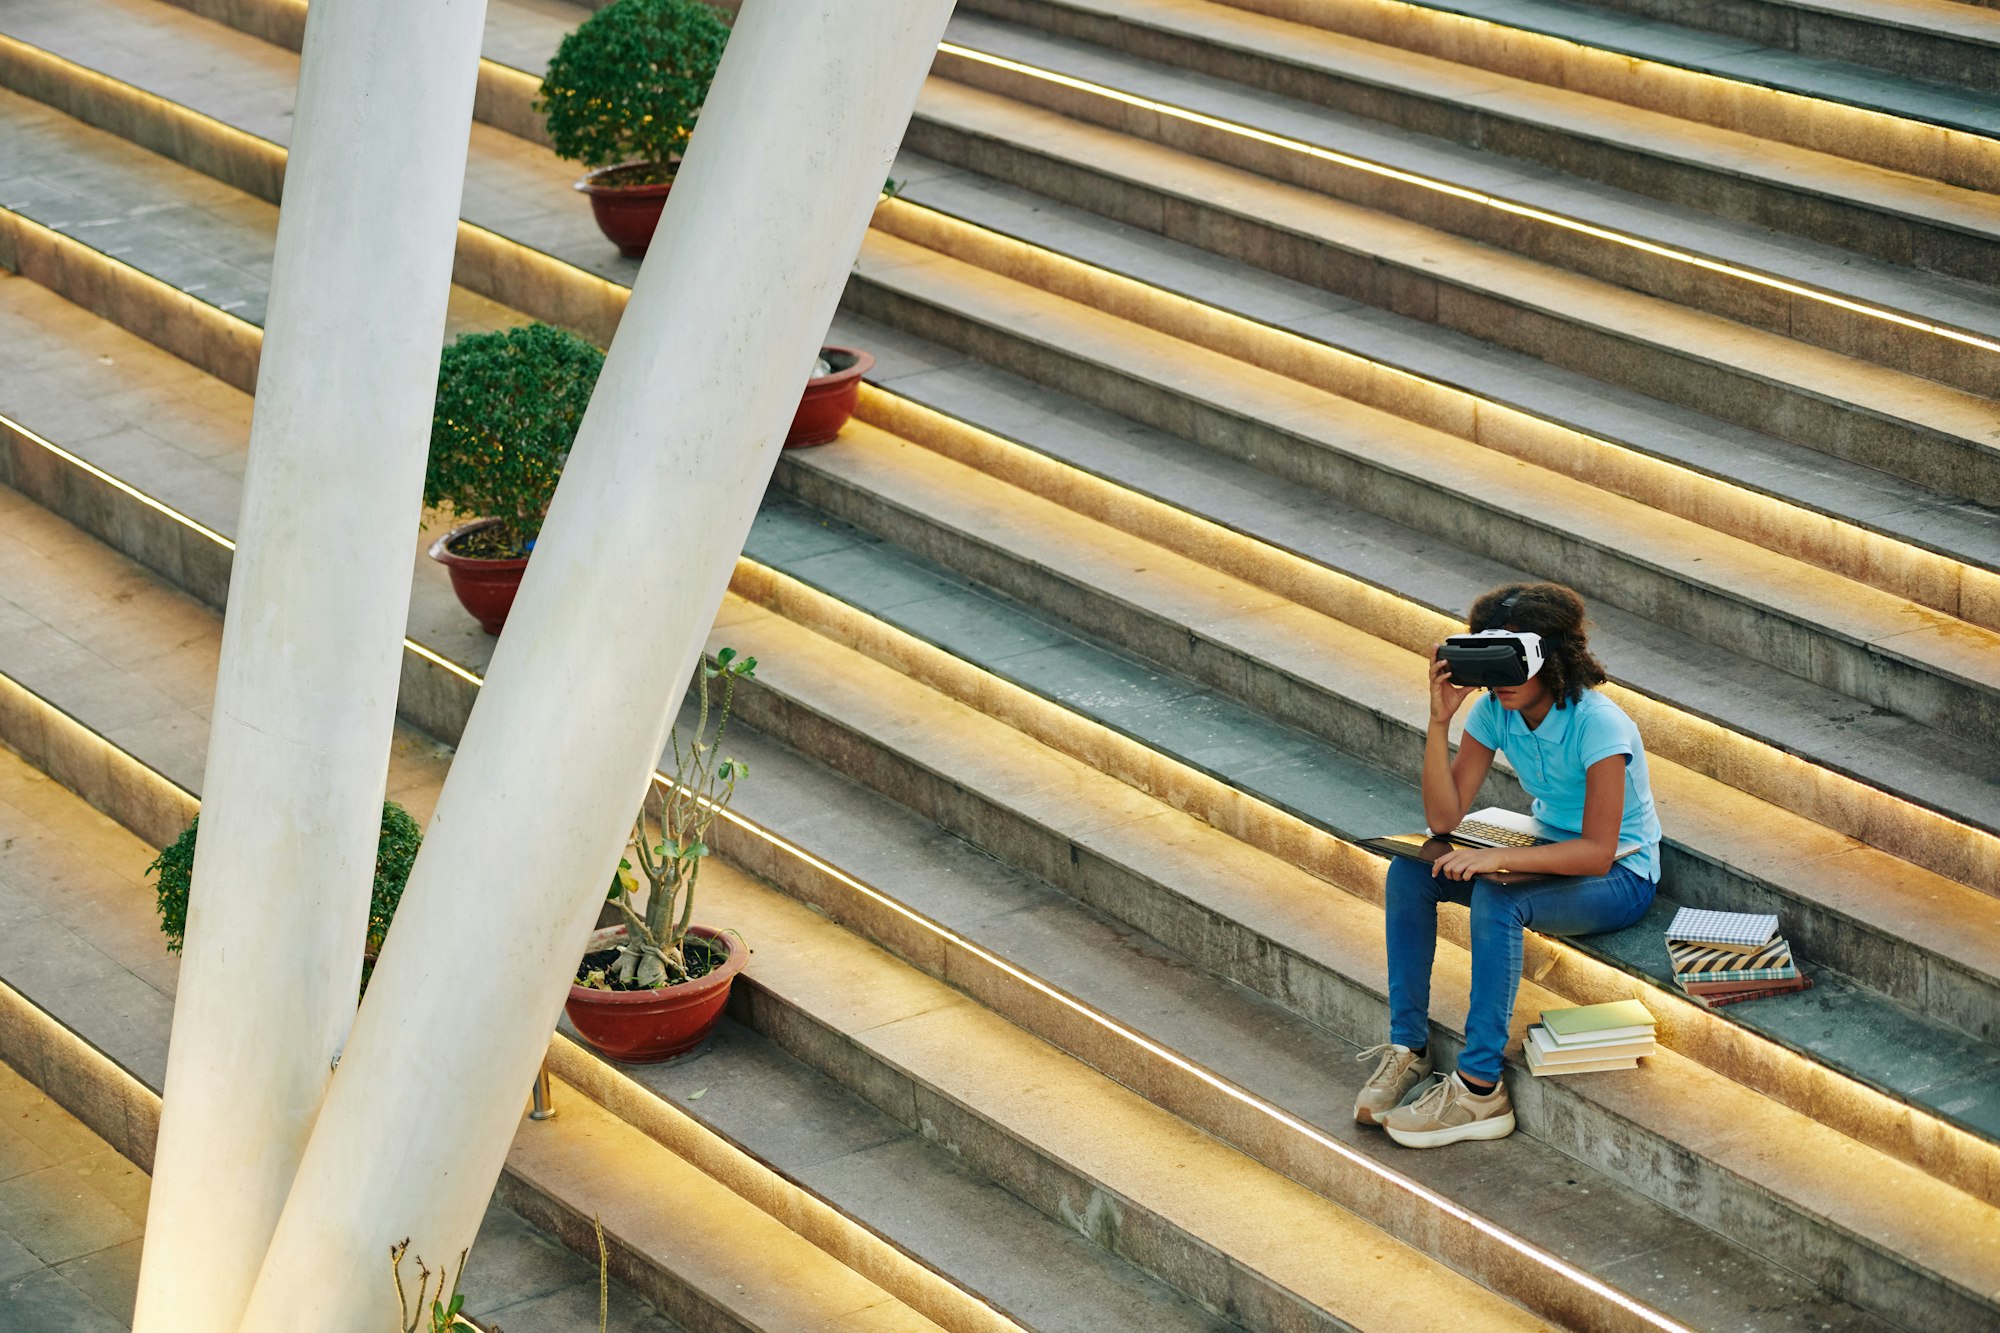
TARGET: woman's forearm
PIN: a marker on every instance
(1573, 856)
(1441, 804)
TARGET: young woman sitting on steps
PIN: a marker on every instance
(1580, 757)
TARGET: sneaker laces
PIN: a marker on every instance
(1436, 1097)
(1385, 1054)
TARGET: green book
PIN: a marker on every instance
(1590, 1018)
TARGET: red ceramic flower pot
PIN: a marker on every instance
(626, 214)
(486, 588)
(829, 399)
(640, 1027)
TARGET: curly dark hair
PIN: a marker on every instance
(1555, 613)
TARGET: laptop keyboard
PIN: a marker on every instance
(1500, 837)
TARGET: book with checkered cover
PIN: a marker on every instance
(1700, 962)
(1738, 930)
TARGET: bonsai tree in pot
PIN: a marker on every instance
(508, 407)
(652, 987)
(621, 96)
(395, 853)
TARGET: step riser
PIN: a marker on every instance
(1390, 742)
(1854, 132)
(241, 160)
(485, 262)
(685, 1304)
(1835, 221)
(1662, 1170)
(1935, 459)
(1815, 33)
(503, 97)
(1826, 540)
(193, 330)
(1598, 572)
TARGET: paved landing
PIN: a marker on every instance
(71, 1215)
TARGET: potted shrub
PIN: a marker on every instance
(652, 987)
(831, 396)
(508, 405)
(621, 97)
(395, 853)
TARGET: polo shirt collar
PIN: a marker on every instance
(1555, 726)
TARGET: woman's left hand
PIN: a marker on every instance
(1465, 862)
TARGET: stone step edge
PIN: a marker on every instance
(484, 261)
(1815, 122)
(1864, 643)
(156, 809)
(1403, 82)
(1711, 1038)
(1177, 645)
(504, 94)
(1820, 537)
(911, 1280)
(523, 113)
(1715, 1190)
(1287, 245)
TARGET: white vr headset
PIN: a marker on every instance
(1493, 657)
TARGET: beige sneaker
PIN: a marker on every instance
(1397, 1070)
(1449, 1111)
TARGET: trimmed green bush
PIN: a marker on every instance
(627, 84)
(394, 855)
(508, 405)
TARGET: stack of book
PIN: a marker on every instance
(1728, 957)
(1590, 1038)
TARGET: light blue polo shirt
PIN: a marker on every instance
(1551, 760)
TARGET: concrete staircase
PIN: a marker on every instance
(1223, 359)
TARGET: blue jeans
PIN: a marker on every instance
(1554, 907)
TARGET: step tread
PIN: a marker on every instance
(1908, 1055)
(801, 1122)
(1502, 97)
(1459, 263)
(740, 1257)
(1822, 602)
(1745, 1132)
(1849, 492)
(1744, 60)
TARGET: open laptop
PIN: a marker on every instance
(1495, 827)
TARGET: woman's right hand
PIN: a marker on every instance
(1446, 698)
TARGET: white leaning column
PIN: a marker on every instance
(311, 645)
(656, 499)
